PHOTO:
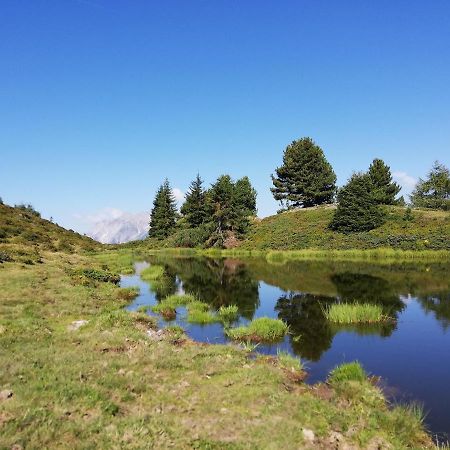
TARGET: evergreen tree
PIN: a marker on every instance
(194, 206)
(164, 212)
(357, 209)
(245, 197)
(385, 190)
(435, 191)
(244, 205)
(223, 213)
(306, 178)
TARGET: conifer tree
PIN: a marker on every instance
(245, 197)
(194, 206)
(357, 210)
(305, 178)
(435, 191)
(223, 213)
(244, 204)
(385, 190)
(164, 212)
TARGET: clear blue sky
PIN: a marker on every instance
(101, 99)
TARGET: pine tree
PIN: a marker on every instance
(223, 214)
(435, 191)
(164, 212)
(357, 210)
(194, 206)
(244, 205)
(385, 190)
(306, 178)
(245, 197)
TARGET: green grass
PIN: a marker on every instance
(353, 313)
(128, 294)
(25, 237)
(348, 372)
(228, 314)
(119, 261)
(197, 312)
(109, 384)
(304, 234)
(152, 273)
(289, 362)
(307, 229)
(263, 329)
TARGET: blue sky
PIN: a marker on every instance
(101, 99)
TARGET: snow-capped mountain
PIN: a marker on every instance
(121, 228)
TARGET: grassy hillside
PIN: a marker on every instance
(24, 235)
(308, 229)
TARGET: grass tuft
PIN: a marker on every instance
(289, 362)
(228, 314)
(263, 329)
(348, 372)
(351, 313)
(152, 273)
(128, 294)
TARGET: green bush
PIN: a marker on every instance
(85, 275)
(5, 257)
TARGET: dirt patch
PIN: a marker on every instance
(322, 391)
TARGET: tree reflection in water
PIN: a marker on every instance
(312, 334)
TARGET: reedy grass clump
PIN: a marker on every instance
(347, 372)
(263, 329)
(198, 312)
(152, 273)
(128, 293)
(228, 314)
(351, 313)
(289, 362)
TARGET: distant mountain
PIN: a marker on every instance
(127, 227)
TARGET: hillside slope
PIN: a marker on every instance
(308, 229)
(24, 235)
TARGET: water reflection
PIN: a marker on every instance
(409, 353)
(219, 282)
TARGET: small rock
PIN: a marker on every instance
(76, 325)
(155, 335)
(308, 435)
(5, 394)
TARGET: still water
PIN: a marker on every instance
(412, 354)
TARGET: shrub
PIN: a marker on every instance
(85, 275)
(263, 329)
(357, 209)
(4, 257)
